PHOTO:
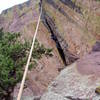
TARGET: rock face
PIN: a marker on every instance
(23, 18)
(70, 27)
(78, 81)
(73, 23)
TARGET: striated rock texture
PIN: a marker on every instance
(77, 22)
(70, 27)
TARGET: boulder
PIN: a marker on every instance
(77, 81)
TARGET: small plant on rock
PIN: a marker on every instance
(13, 56)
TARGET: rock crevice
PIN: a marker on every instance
(61, 44)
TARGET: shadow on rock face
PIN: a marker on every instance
(96, 47)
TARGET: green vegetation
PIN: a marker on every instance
(13, 56)
(38, 51)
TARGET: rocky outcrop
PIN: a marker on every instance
(78, 33)
(78, 81)
(71, 28)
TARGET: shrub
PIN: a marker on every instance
(13, 56)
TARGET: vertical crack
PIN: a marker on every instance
(60, 50)
(62, 47)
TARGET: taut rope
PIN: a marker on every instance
(28, 61)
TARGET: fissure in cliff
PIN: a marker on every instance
(52, 30)
(61, 44)
(59, 48)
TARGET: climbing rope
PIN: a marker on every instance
(28, 61)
